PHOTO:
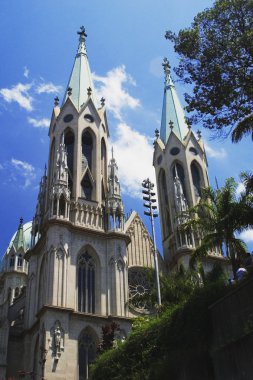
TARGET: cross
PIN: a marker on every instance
(56, 101)
(82, 31)
(166, 66)
(171, 124)
(102, 100)
(69, 90)
(89, 91)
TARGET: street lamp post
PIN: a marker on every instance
(149, 199)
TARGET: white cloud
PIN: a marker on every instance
(133, 153)
(111, 88)
(26, 72)
(39, 123)
(240, 188)
(25, 170)
(48, 88)
(247, 236)
(215, 153)
(19, 94)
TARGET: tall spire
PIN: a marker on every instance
(80, 86)
(173, 117)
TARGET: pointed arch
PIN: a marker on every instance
(62, 206)
(197, 179)
(87, 349)
(69, 141)
(87, 280)
(86, 187)
(51, 161)
(177, 169)
(87, 148)
(164, 201)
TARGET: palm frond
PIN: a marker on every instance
(243, 128)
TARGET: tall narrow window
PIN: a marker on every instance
(51, 162)
(87, 145)
(86, 352)
(196, 180)
(62, 205)
(179, 171)
(165, 203)
(20, 260)
(69, 141)
(12, 261)
(86, 283)
(86, 187)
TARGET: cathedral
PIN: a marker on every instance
(80, 264)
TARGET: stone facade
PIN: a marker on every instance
(74, 272)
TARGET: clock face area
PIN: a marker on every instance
(68, 118)
(88, 118)
(174, 151)
(193, 151)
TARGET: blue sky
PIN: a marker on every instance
(125, 46)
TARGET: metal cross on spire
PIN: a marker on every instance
(166, 66)
(82, 32)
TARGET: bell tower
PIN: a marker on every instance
(181, 171)
(77, 276)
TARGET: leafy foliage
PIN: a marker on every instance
(108, 335)
(176, 342)
(216, 56)
(217, 218)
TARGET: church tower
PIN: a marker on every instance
(181, 171)
(77, 278)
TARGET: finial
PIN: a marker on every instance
(21, 222)
(102, 100)
(157, 133)
(56, 101)
(45, 171)
(89, 91)
(171, 124)
(69, 90)
(166, 66)
(112, 152)
(82, 32)
(199, 134)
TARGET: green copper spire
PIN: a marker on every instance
(19, 241)
(173, 117)
(80, 86)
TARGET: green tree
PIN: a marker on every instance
(216, 56)
(218, 217)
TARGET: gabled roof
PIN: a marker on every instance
(80, 79)
(172, 113)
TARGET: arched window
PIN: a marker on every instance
(86, 187)
(87, 347)
(164, 203)
(62, 205)
(196, 179)
(87, 145)
(86, 283)
(16, 293)
(179, 171)
(69, 141)
(51, 162)
(20, 260)
(12, 261)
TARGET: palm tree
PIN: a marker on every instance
(243, 128)
(218, 217)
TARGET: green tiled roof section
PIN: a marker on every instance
(80, 79)
(172, 111)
